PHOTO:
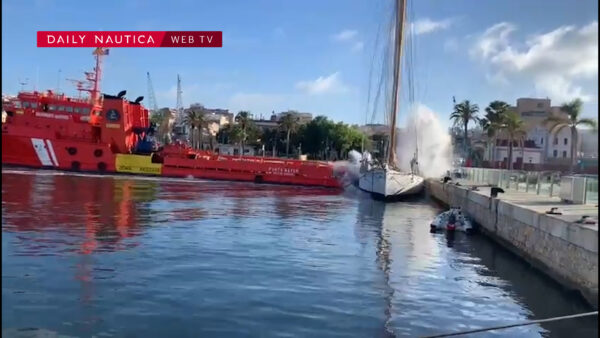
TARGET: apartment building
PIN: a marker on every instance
(540, 145)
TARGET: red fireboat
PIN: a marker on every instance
(110, 134)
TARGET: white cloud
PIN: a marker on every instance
(358, 46)
(555, 61)
(345, 35)
(426, 25)
(323, 85)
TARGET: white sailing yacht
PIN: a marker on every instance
(386, 180)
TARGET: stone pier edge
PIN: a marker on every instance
(565, 251)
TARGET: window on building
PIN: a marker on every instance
(540, 105)
(542, 140)
(556, 140)
(564, 153)
(555, 153)
(566, 141)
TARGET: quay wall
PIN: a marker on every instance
(564, 250)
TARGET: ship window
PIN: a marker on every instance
(76, 109)
(17, 104)
(69, 109)
(51, 107)
(61, 108)
(85, 110)
(34, 105)
(25, 104)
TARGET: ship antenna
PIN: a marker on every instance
(97, 74)
(58, 82)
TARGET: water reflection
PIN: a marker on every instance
(88, 256)
(543, 297)
(94, 214)
(105, 213)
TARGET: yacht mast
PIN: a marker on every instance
(400, 14)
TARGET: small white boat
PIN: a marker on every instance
(452, 220)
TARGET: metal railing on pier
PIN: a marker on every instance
(544, 183)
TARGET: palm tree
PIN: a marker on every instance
(164, 120)
(243, 119)
(491, 123)
(513, 125)
(289, 124)
(195, 119)
(463, 113)
(571, 120)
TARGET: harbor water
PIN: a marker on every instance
(86, 255)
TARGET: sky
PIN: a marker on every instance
(315, 56)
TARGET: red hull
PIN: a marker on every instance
(93, 157)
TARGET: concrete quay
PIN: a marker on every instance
(555, 244)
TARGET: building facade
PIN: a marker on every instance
(540, 145)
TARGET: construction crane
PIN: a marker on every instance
(151, 97)
(179, 118)
(179, 106)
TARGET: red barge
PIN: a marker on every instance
(110, 134)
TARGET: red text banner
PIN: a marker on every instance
(129, 39)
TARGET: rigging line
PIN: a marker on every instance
(553, 319)
(371, 70)
(385, 66)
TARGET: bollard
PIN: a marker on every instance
(527, 182)
(537, 186)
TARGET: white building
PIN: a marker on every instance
(539, 146)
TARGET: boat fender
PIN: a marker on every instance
(72, 151)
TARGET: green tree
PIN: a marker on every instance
(195, 120)
(315, 136)
(162, 118)
(490, 124)
(572, 120)
(271, 138)
(464, 113)
(243, 119)
(289, 124)
(513, 125)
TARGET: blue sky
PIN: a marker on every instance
(315, 56)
